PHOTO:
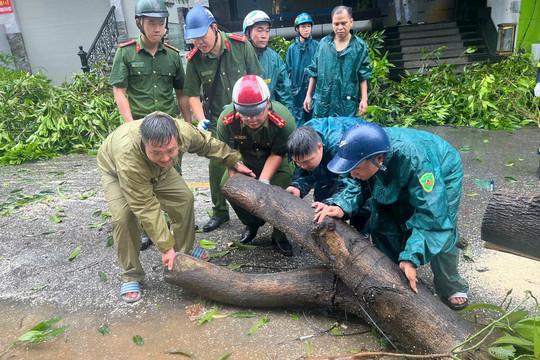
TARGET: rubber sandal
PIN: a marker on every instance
(129, 287)
(457, 307)
(200, 253)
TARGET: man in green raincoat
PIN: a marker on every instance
(414, 179)
(339, 71)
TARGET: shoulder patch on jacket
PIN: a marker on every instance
(237, 37)
(127, 43)
(171, 47)
(427, 181)
(278, 120)
(191, 53)
(229, 118)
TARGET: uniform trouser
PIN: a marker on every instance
(281, 178)
(215, 173)
(390, 238)
(397, 4)
(175, 198)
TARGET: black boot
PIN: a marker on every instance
(249, 234)
(146, 242)
(283, 246)
(215, 222)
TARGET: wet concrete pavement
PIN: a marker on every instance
(39, 283)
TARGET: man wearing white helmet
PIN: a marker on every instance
(216, 63)
(258, 128)
(257, 29)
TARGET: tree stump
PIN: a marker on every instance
(511, 223)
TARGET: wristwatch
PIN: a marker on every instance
(238, 164)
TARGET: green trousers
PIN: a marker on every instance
(215, 173)
(175, 198)
(281, 178)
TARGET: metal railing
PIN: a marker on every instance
(103, 44)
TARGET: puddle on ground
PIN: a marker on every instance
(169, 328)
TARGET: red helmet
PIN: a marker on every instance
(250, 95)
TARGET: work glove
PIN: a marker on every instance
(204, 124)
(537, 90)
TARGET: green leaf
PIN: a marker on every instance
(208, 316)
(29, 335)
(509, 163)
(336, 331)
(60, 193)
(226, 355)
(138, 340)
(44, 325)
(481, 161)
(502, 352)
(234, 266)
(38, 287)
(238, 245)
(258, 325)
(512, 340)
(510, 179)
(207, 244)
(243, 314)
(529, 185)
(49, 334)
(309, 351)
(526, 327)
(483, 306)
(294, 316)
(485, 141)
(219, 254)
(465, 148)
(471, 195)
(468, 253)
(110, 241)
(59, 209)
(179, 352)
(75, 252)
(55, 218)
(102, 275)
(104, 329)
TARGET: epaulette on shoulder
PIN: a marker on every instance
(237, 37)
(278, 120)
(127, 43)
(229, 118)
(171, 47)
(191, 53)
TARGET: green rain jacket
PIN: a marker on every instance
(123, 156)
(415, 203)
(275, 75)
(328, 186)
(338, 77)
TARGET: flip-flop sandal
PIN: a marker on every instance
(457, 307)
(200, 253)
(129, 287)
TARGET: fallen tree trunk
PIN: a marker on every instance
(415, 322)
(310, 287)
(511, 224)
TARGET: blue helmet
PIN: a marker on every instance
(198, 20)
(302, 19)
(357, 144)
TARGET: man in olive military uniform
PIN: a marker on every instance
(216, 63)
(258, 128)
(136, 163)
(145, 72)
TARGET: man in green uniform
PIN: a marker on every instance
(139, 180)
(145, 71)
(414, 179)
(258, 128)
(216, 63)
(257, 28)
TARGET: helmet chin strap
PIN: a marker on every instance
(379, 166)
(215, 40)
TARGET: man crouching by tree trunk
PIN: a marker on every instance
(414, 179)
(136, 163)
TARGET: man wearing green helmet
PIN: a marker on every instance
(299, 56)
(146, 71)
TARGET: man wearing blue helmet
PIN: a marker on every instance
(216, 63)
(256, 26)
(414, 179)
(299, 56)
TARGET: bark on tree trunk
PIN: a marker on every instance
(511, 224)
(415, 322)
(310, 287)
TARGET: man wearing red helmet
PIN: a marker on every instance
(258, 128)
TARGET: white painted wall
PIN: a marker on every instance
(501, 12)
(129, 16)
(53, 30)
